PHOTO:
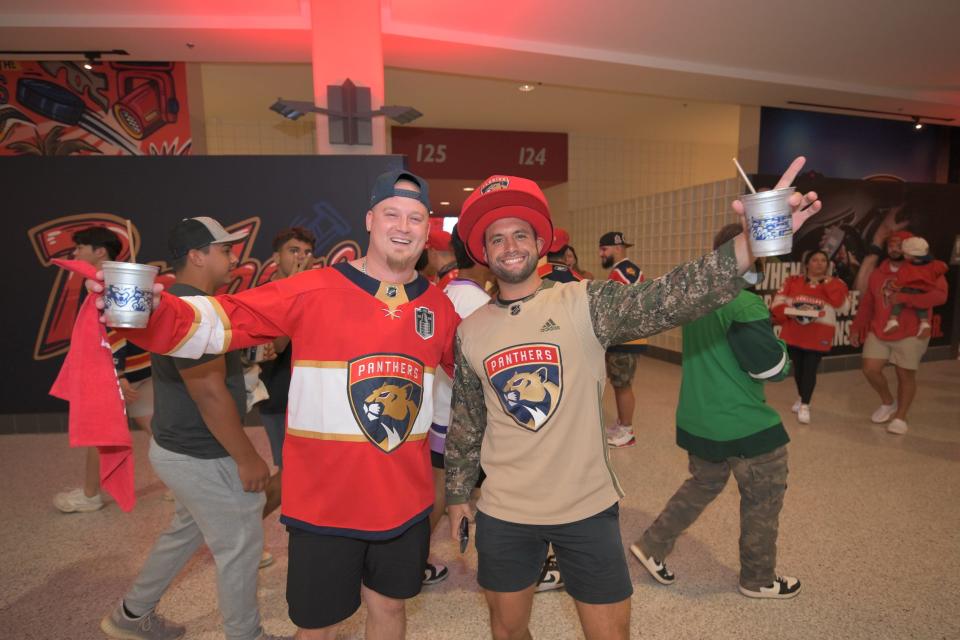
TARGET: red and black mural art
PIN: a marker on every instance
(54, 197)
(116, 108)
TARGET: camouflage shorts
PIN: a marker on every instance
(620, 368)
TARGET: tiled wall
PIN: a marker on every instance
(603, 170)
(275, 137)
(667, 229)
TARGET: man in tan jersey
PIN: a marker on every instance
(526, 402)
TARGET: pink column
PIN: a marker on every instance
(347, 44)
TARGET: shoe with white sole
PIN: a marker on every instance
(923, 331)
(892, 325)
(622, 439)
(897, 427)
(265, 560)
(884, 413)
(550, 577)
(782, 588)
(803, 414)
(77, 501)
(147, 627)
(657, 569)
(796, 406)
(434, 573)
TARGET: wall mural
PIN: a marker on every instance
(115, 108)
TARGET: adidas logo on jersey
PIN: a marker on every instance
(549, 325)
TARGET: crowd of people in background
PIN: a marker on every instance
(498, 281)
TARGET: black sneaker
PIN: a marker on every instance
(550, 577)
(783, 587)
(434, 573)
(655, 567)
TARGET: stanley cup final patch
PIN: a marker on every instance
(424, 320)
(528, 380)
(386, 392)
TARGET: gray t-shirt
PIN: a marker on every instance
(177, 423)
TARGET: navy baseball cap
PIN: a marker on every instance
(386, 187)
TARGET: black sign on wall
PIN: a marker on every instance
(46, 199)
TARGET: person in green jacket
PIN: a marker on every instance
(725, 424)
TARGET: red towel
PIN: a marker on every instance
(88, 381)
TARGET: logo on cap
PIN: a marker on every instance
(496, 183)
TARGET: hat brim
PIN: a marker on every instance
(541, 225)
(230, 238)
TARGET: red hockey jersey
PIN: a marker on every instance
(807, 312)
(356, 460)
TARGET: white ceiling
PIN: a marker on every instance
(879, 54)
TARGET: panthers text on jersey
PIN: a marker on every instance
(356, 461)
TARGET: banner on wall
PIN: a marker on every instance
(116, 108)
(48, 199)
(851, 147)
(856, 214)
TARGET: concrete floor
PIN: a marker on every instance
(871, 526)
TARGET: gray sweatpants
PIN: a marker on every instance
(211, 508)
(762, 481)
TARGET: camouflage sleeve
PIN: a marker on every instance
(622, 313)
(468, 419)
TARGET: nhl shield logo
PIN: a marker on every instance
(424, 320)
(528, 380)
(386, 392)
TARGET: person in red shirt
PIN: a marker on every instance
(805, 307)
(903, 347)
(441, 258)
(918, 274)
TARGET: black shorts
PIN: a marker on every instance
(325, 572)
(589, 553)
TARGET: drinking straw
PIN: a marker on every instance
(744, 176)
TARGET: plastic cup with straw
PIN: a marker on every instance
(128, 290)
(769, 218)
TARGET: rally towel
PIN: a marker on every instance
(88, 381)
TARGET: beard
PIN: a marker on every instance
(607, 262)
(895, 256)
(514, 277)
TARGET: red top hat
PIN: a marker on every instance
(561, 239)
(439, 240)
(501, 197)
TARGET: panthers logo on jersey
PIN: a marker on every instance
(528, 380)
(386, 392)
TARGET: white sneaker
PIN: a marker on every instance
(897, 426)
(923, 331)
(796, 406)
(803, 414)
(884, 413)
(76, 501)
(892, 325)
(624, 438)
(783, 587)
(656, 568)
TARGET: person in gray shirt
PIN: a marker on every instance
(202, 454)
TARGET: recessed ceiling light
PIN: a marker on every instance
(444, 203)
(468, 188)
(526, 87)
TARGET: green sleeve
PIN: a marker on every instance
(751, 338)
(623, 313)
(468, 420)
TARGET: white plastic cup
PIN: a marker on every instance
(128, 294)
(769, 222)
